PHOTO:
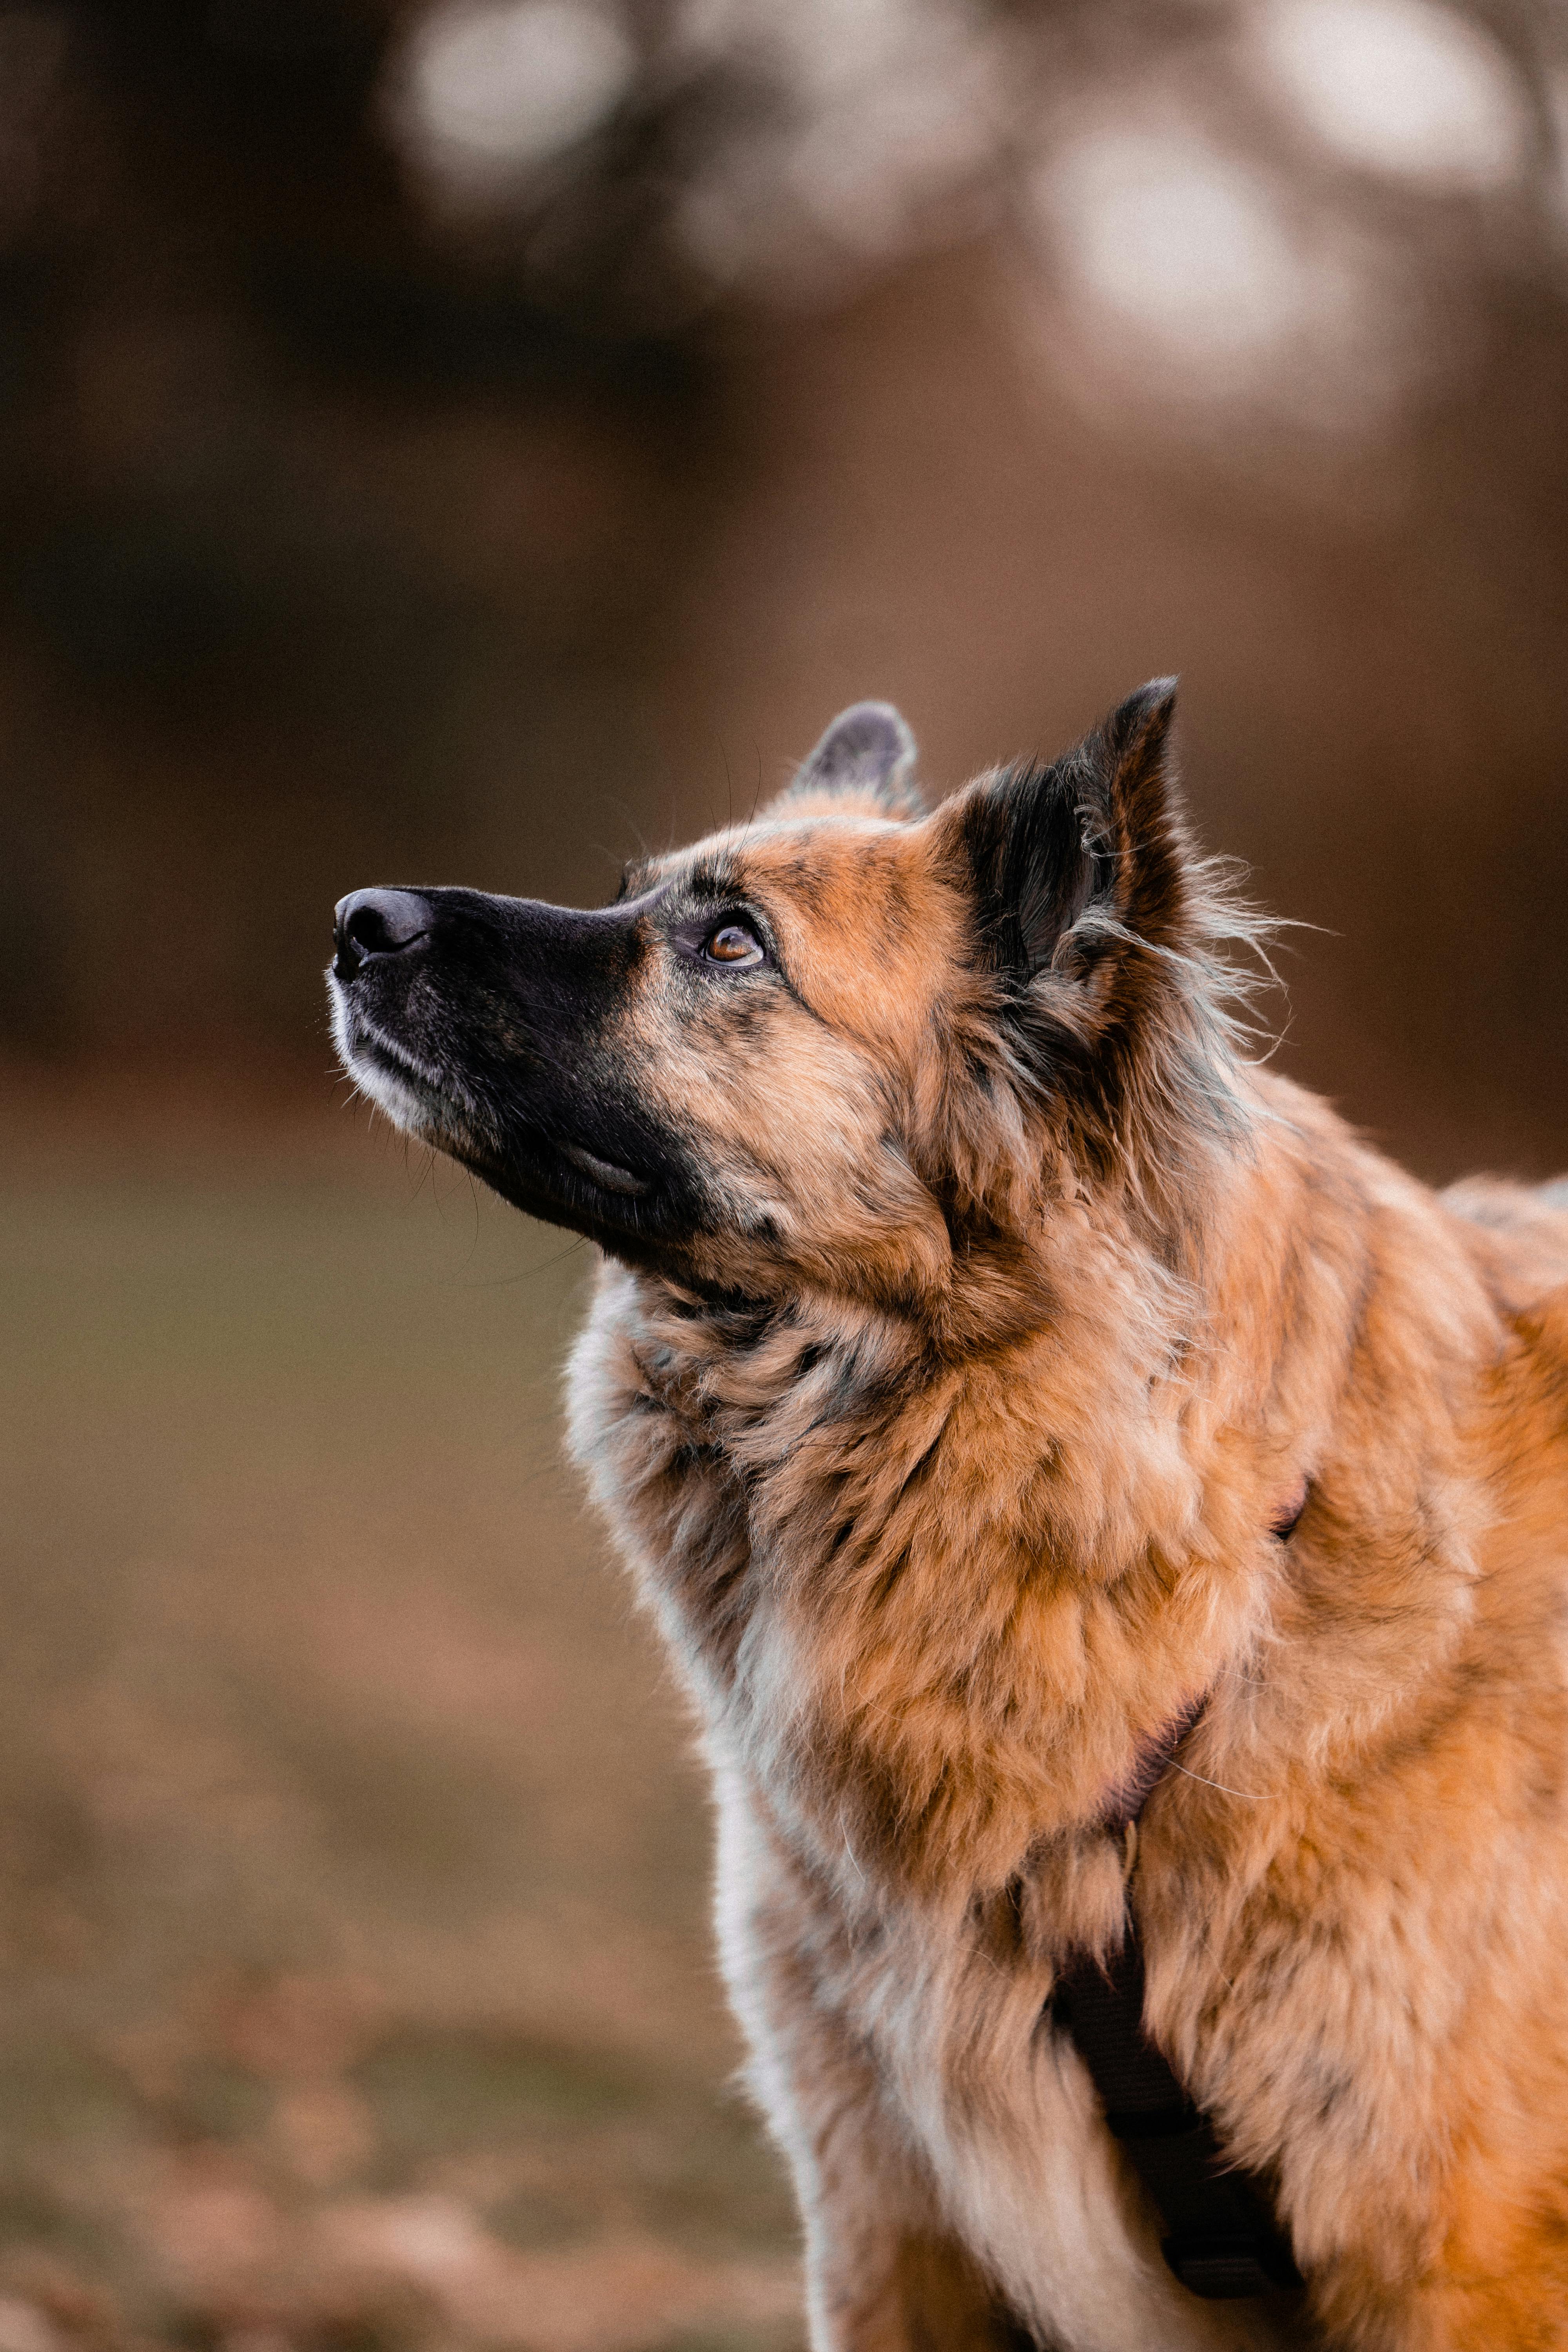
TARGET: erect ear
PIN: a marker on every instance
(1076, 868)
(866, 759)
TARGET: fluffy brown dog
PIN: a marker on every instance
(973, 1316)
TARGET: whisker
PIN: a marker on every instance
(1253, 1796)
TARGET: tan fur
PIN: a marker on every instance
(1054, 1538)
(948, 1466)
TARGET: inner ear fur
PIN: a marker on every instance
(866, 761)
(1074, 867)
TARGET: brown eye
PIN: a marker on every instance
(732, 943)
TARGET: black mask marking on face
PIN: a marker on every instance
(497, 1025)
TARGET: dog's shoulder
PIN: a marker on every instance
(1526, 1396)
(1519, 1434)
(1517, 1236)
(1519, 1239)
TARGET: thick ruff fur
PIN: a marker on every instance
(971, 1308)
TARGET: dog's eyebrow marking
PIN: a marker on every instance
(713, 882)
(720, 881)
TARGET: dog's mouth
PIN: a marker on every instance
(562, 1184)
(607, 1174)
(544, 1175)
(413, 1093)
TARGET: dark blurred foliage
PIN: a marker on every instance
(412, 472)
(310, 545)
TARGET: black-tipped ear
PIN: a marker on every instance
(867, 755)
(1068, 866)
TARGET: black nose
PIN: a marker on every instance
(376, 923)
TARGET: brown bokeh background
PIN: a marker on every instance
(466, 441)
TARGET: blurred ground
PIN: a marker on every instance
(356, 1981)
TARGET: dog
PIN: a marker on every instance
(1089, 1494)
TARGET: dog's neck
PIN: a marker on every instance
(957, 1598)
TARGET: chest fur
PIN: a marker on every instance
(921, 1601)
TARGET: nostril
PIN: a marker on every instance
(369, 930)
(377, 923)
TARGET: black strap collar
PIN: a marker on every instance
(1221, 2237)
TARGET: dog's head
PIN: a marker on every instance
(843, 1045)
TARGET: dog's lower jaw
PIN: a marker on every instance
(388, 1076)
(423, 1102)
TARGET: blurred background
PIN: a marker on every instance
(467, 440)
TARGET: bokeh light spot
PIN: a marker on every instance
(1179, 240)
(1400, 86)
(490, 89)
